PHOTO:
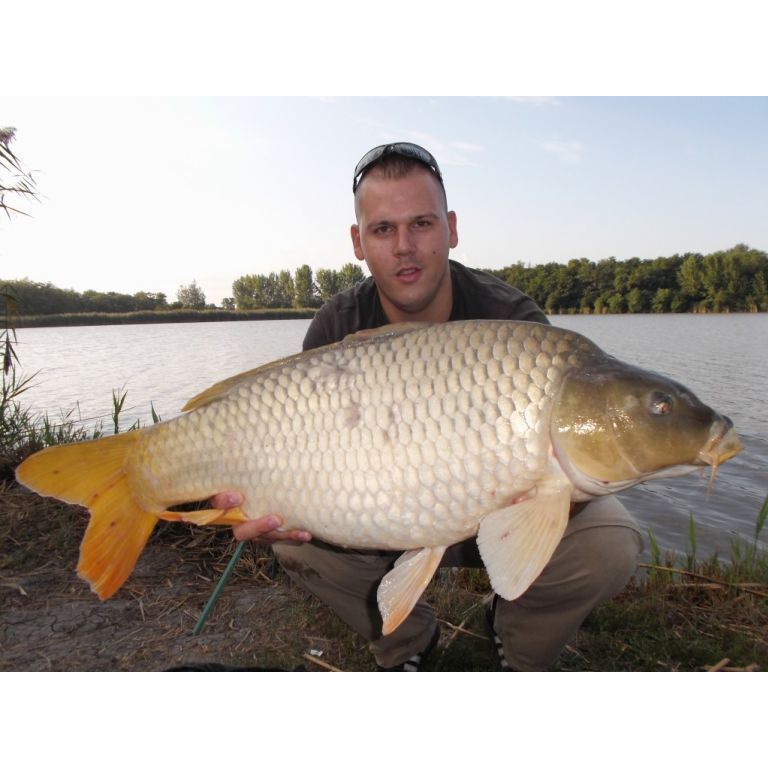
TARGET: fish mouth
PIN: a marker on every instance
(722, 445)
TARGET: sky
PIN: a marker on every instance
(146, 193)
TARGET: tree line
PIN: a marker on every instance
(34, 298)
(301, 290)
(735, 280)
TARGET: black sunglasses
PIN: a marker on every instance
(404, 149)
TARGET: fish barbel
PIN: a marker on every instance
(410, 437)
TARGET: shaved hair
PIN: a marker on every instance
(396, 167)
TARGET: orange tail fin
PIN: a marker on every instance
(93, 475)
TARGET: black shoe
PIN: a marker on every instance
(490, 617)
(416, 661)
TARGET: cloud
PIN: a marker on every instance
(570, 152)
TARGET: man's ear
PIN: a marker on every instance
(354, 231)
(454, 232)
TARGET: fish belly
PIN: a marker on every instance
(399, 441)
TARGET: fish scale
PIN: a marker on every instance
(409, 437)
(433, 444)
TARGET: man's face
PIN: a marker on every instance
(404, 234)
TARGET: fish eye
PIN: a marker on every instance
(661, 404)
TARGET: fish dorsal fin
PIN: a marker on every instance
(401, 588)
(391, 330)
(516, 542)
(223, 388)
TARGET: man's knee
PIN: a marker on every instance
(595, 559)
(605, 542)
(610, 555)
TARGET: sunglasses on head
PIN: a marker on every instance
(404, 149)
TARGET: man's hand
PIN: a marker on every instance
(263, 529)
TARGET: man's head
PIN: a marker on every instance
(404, 231)
(395, 161)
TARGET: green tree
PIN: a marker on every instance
(661, 300)
(304, 289)
(96, 301)
(757, 298)
(327, 283)
(744, 271)
(285, 289)
(600, 306)
(191, 296)
(563, 290)
(617, 305)
(350, 275)
(271, 289)
(690, 279)
(246, 292)
(149, 301)
(638, 300)
(330, 281)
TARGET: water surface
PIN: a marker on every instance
(722, 358)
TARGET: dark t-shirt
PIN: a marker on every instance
(476, 296)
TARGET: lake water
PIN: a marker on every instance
(722, 358)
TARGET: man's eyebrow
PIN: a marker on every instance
(378, 223)
(428, 215)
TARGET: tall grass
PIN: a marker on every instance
(14, 418)
(747, 562)
(750, 558)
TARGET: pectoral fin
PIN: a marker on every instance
(517, 542)
(401, 588)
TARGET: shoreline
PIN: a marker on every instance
(149, 317)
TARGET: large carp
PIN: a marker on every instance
(409, 437)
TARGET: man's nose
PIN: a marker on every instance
(404, 242)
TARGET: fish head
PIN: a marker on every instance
(615, 425)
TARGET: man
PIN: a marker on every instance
(404, 233)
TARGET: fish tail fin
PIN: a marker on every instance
(93, 474)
